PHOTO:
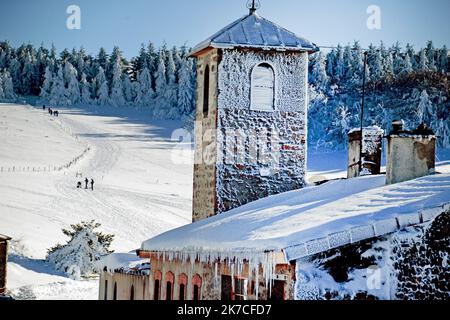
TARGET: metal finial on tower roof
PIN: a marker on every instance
(253, 5)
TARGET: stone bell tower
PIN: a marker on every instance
(251, 116)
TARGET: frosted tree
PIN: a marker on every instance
(47, 85)
(412, 55)
(376, 67)
(340, 69)
(443, 60)
(85, 97)
(331, 61)
(8, 87)
(423, 61)
(85, 247)
(102, 94)
(431, 56)
(128, 90)
(161, 84)
(388, 67)
(117, 97)
(341, 123)
(14, 71)
(319, 75)
(171, 92)
(27, 75)
(186, 87)
(145, 92)
(425, 110)
(2, 93)
(73, 90)
(407, 66)
(58, 91)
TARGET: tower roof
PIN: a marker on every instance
(254, 31)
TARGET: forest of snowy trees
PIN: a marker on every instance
(160, 80)
(401, 83)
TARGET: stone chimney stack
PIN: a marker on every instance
(371, 151)
(410, 154)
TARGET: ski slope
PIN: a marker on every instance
(139, 191)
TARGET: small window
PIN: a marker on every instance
(182, 281)
(206, 92)
(197, 283)
(182, 292)
(106, 290)
(263, 88)
(277, 292)
(240, 289)
(156, 290)
(226, 288)
(132, 293)
(169, 290)
(157, 287)
(115, 291)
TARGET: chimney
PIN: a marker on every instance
(410, 154)
(371, 151)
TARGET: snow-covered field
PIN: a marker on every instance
(138, 193)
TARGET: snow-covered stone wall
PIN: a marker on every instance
(409, 264)
(260, 153)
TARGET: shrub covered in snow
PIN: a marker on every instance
(78, 256)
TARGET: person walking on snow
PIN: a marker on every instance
(92, 184)
(86, 181)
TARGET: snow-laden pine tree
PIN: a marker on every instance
(171, 92)
(340, 70)
(145, 94)
(101, 95)
(85, 247)
(27, 75)
(117, 98)
(47, 85)
(319, 77)
(58, 91)
(2, 93)
(73, 90)
(160, 85)
(425, 109)
(431, 56)
(407, 66)
(423, 61)
(376, 67)
(128, 90)
(15, 72)
(331, 62)
(186, 87)
(8, 87)
(443, 60)
(85, 90)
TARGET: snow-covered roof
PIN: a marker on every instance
(4, 238)
(123, 262)
(254, 31)
(311, 220)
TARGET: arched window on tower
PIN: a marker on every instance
(115, 291)
(206, 92)
(197, 286)
(182, 282)
(263, 88)
(157, 285)
(169, 285)
(132, 292)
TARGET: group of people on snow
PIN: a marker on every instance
(51, 111)
(86, 184)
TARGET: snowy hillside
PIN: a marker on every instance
(139, 191)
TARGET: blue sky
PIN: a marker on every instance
(129, 23)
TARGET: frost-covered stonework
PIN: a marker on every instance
(410, 264)
(277, 137)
